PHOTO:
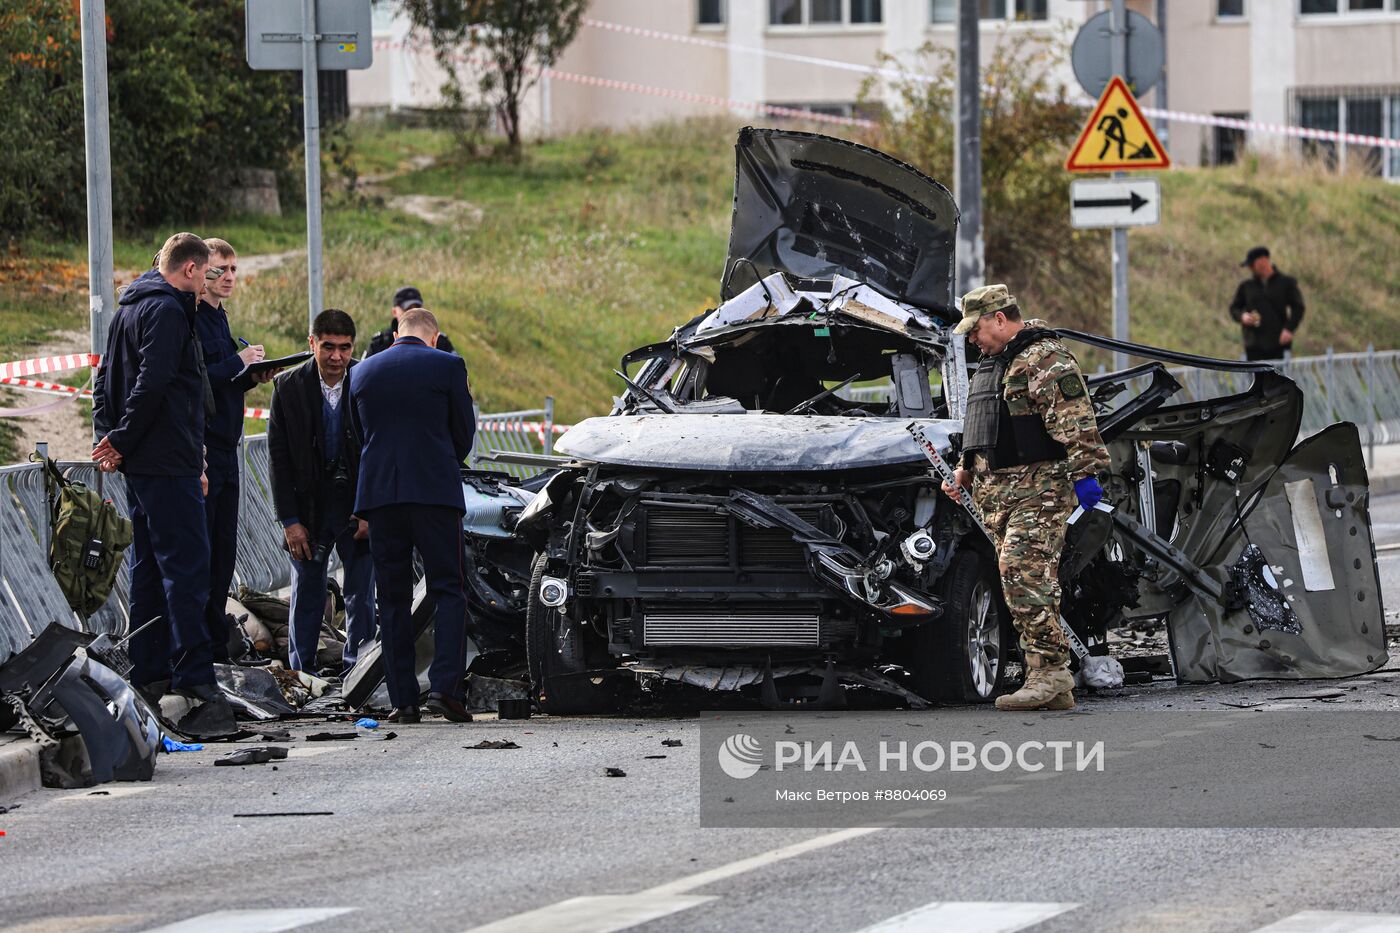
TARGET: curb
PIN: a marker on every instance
(19, 767)
(1384, 485)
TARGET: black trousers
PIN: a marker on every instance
(1254, 354)
(221, 513)
(435, 531)
(169, 580)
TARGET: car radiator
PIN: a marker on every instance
(774, 624)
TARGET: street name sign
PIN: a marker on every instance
(1114, 202)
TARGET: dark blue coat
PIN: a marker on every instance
(148, 396)
(413, 412)
(226, 377)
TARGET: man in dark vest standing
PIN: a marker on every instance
(150, 401)
(1031, 447)
(413, 410)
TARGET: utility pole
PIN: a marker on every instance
(311, 121)
(1119, 28)
(97, 143)
(967, 151)
(1163, 125)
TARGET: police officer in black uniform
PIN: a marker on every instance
(404, 299)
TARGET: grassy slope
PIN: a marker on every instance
(598, 243)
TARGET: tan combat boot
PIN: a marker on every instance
(1044, 688)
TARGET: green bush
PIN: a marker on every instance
(185, 110)
(1028, 127)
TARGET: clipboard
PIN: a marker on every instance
(281, 362)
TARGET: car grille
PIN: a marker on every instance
(737, 626)
(683, 537)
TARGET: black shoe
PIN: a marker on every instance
(212, 718)
(152, 692)
(405, 716)
(449, 708)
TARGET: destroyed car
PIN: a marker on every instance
(740, 522)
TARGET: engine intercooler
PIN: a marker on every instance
(725, 625)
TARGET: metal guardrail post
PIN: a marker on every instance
(1370, 405)
(42, 449)
(549, 424)
(1331, 387)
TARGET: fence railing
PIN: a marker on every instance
(30, 597)
(1363, 388)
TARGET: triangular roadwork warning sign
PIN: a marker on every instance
(1117, 138)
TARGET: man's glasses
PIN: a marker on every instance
(215, 272)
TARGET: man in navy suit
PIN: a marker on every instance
(413, 411)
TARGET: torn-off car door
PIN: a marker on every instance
(1312, 527)
(1233, 517)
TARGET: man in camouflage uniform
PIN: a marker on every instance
(1031, 448)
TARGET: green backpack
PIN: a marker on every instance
(87, 538)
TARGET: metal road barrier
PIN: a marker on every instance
(1363, 388)
(29, 595)
(531, 431)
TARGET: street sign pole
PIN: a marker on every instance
(967, 148)
(1120, 234)
(311, 121)
(101, 287)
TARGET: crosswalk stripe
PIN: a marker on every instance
(1334, 921)
(598, 914)
(971, 917)
(253, 921)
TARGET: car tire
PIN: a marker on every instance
(555, 649)
(961, 656)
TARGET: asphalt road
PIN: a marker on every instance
(427, 835)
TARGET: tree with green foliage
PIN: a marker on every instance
(513, 38)
(1028, 127)
(185, 110)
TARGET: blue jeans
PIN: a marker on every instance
(309, 603)
(170, 579)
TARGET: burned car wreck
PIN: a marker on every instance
(741, 522)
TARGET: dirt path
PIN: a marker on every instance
(67, 429)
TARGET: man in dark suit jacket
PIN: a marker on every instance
(315, 457)
(413, 409)
(150, 400)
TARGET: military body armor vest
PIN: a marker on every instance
(1006, 440)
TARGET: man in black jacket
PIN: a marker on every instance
(405, 299)
(150, 401)
(229, 379)
(1268, 306)
(315, 457)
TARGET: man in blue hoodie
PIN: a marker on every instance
(151, 397)
(229, 379)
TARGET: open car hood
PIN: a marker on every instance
(815, 207)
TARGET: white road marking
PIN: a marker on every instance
(253, 921)
(603, 914)
(74, 924)
(971, 917)
(111, 790)
(598, 914)
(1334, 921)
(306, 752)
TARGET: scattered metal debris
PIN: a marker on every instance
(492, 744)
(253, 755)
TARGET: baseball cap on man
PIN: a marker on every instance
(1257, 253)
(982, 301)
(408, 297)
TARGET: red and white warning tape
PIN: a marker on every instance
(1173, 116)
(12, 374)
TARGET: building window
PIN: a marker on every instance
(866, 11)
(1229, 9)
(1032, 9)
(1362, 111)
(991, 9)
(709, 12)
(944, 11)
(1227, 141)
(1336, 7)
(824, 12)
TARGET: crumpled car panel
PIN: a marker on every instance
(750, 443)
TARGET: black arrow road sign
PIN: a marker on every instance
(1133, 201)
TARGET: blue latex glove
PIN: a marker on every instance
(1088, 491)
(173, 746)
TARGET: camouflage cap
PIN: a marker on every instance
(982, 301)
